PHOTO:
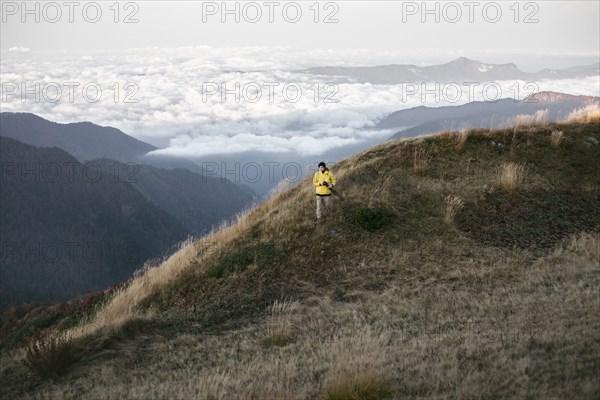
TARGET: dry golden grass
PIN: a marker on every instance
(50, 353)
(539, 118)
(459, 137)
(421, 160)
(462, 137)
(556, 137)
(282, 186)
(380, 189)
(280, 323)
(123, 306)
(356, 365)
(453, 205)
(590, 113)
(586, 245)
(511, 176)
(423, 341)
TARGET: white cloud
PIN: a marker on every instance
(199, 146)
(173, 108)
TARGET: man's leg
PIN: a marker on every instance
(325, 205)
(319, 206)
(329, 202)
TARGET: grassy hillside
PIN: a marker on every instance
(460, 265)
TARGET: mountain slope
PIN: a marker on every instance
(400, 293)
(68, 229)
(198, 202)
(83, 140)
(492, 115)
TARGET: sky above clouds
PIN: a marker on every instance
(161, 76)
(414, 31)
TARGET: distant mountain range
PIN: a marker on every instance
(67, 230)
(197, 201)
(133, 211)
(423, 120)
(459, 70)
(85, 140)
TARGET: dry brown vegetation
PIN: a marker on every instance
(536, 119)
(555, 138)
(280, 325)
(420, 160)
(460, 137)
(453, 205)
(393, 298)
(50, 353)
(590, 113)
(511, 176)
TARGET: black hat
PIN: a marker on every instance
(321, 163)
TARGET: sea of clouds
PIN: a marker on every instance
(173, 98)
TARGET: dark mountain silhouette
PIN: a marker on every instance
(422, 120)
(69, 227)
(199, 202)
(85, 140)
(459, 70)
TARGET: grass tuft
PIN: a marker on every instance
(453, 205)
(50, 354)
(589, 113)
(279, 323)
(538, 118)
(421, 159)
(511, 176)
(556, 137)
(586, 245)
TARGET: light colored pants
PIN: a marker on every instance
(322, 202)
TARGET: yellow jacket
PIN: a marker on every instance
(321, 177)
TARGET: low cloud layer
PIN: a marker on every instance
(202, 101)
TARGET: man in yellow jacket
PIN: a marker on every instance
(323, 181)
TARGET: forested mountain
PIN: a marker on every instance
(68, 227)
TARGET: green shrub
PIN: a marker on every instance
(260, 253)
(370, 219)
(364, 388)
(276, 341)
